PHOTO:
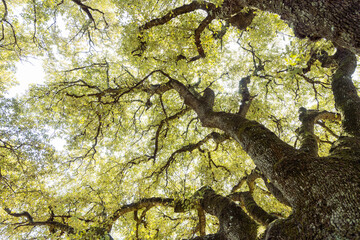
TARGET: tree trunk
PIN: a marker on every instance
(323, 191)
(334, 20)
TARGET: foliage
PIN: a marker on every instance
(126, 139)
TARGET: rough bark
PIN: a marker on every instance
(321, 191)
(217, 236)
(253, 209)
(235, 224)
(345, 93)
(334, 20)
(307, 136)
(233, 16)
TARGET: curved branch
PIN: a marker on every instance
(197, 35)
(276, 192)
(241, 20)
(143, 203)
(187, 8)
(255, 211)
(249, 179)
(31, 222)
(261, 144)
(5, 10)
(346, 97)
(87, 9)
(272, 156)
(166, 120)
(233, 220)
(307, 136)
(22, 214)
(195, 5)
(246, 98)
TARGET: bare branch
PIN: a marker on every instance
(87, 9)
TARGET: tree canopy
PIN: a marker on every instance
(219, 119)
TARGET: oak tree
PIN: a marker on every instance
(230, 119)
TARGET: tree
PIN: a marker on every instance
(193, 120)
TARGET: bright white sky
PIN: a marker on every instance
(27, 73)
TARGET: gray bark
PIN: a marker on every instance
(323, 192)
(334, 20)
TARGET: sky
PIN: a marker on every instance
(27, 72)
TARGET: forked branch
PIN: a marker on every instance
(308, 118)
(232, 15)
(254, 210)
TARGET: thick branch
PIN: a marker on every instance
(216, 236)
(249, 179)
(240, 20)
(246, 98)
(187, 8)
(197, 36)
(263, 146)
(272, 156)
(202, 221)
(333, 20)
(345, 93)
(255, 211)
(234, 222)
(276, 192)
(195, 5)
(307, 136)
(22, 214)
